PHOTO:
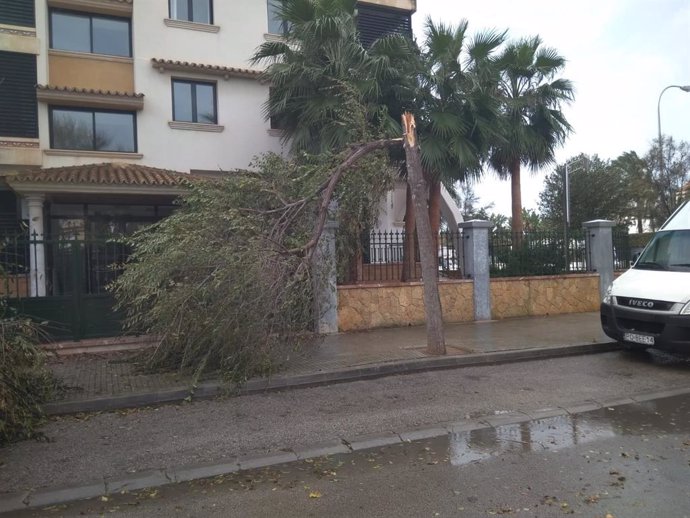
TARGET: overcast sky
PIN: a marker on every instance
(621, 54)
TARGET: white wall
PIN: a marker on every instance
(245, 134)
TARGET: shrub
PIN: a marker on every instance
(26, 383)
(219, 280)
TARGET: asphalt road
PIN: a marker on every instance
(88, 448)
(628, 461)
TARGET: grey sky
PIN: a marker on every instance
(621, 54)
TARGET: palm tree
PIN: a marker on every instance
(532, 122)
(457, 106)
(325, 86)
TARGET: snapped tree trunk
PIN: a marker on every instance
(432, 301)
(516, 196)
(435, 210)
(409, 269)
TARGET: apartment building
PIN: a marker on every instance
(105, 105)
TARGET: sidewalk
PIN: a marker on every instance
(106, 382)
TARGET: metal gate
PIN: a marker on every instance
(63, 283)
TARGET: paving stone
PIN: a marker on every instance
(320, 450)
(543, 413)
(365, 442)
(137, 481)
(261, 461)
(505, 419)
(466, 425)
(110, 381)
(661, 394)
(588, 406)
(14, 501)
(53, 496)
(184, 474)
(425, 433)
(617, 402)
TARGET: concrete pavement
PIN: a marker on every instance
(106, 382)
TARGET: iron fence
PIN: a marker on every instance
(385, 257)
(622, 251)
(536, 253)
(63, 283)
(33, 267)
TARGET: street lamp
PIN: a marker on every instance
(566, 220)
(685, 88)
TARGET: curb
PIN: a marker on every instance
(212, 389)
(156, 478)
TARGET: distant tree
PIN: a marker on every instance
(500, 222)
(532, 122)
(642, 195)
(468, 201)
(532, 220)
(669, 183)
(597, 191)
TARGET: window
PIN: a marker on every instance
(194, 101)
(198, 11)
(96, 34)
(277, 122)
(275, 24)
(93, 130)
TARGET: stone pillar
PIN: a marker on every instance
(476, 254)
(599, 251)
(325, 281)
(37, 259)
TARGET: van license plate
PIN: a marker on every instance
(638, 339)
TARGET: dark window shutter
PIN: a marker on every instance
(375, 22)
(18, 109)
(9, 216)
(17, 12)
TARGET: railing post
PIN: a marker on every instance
(325, 281)
(599, 251)
(476, 251)
(37, 259)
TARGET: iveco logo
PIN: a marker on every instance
(641, 303)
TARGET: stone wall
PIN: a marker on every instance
(551, 295)
(369, 306)
(389, 305)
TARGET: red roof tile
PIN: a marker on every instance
(75, 90)
(104, 174)
(204, 68)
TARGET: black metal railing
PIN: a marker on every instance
(536, 253)
(388, 256)
(33, 267)
(622, 255)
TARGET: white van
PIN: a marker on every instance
(649, 305)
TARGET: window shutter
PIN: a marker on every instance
(17, 12)
(18, 109)
(374, 22)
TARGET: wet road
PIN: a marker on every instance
(626, 461)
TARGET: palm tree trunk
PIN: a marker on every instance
(432, 301)
(516, 195)
(435, 210)
(409, 257)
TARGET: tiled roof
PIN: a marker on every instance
(220, 70)
(103, 174)
(74, 90)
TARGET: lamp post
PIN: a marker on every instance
(685, 88)
(566, 219)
